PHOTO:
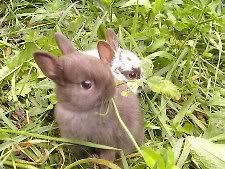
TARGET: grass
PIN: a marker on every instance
(181, 45)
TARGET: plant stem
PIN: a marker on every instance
(125, 127)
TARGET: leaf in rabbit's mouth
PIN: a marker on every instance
(104, 107)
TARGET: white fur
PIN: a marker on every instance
(92, 52)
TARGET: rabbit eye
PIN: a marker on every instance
(132, 75)
(86, 84)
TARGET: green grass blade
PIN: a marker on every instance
(72, 141)
(181, 114)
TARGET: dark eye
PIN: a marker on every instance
(86, 84)
(132, 75)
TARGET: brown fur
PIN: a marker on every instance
(82, 113)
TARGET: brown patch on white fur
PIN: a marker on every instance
(134, 73)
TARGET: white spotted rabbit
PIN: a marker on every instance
(125, 64)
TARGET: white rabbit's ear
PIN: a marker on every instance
(112, 39)
(48, 64)
(106, 53)
(64, 44)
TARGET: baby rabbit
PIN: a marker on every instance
(84, 88)
(125, 64)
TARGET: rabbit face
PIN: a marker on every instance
(126, 66)
(82, 82)
(87, 83)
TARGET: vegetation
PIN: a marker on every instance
(181, 44)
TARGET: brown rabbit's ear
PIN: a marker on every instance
(64, 44)
(112, 39)
(48, 64)
(105, 51)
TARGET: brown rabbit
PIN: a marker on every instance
(84, 88)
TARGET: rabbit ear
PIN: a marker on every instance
(48, 64)
(105, 51)
(64, 44)
(112, 39)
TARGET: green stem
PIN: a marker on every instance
(20, 165)
(125, 128)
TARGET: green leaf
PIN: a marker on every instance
(158, 6)
(75, 25)
(6, 120)
(147, 66)
(134, 85)
(4, 71)
(180, 25)
(162, 86)
(39, 15)
(183, 111)
(162, 54)
(6, 74)
(101, 31)
(206, 153)
(158, 43)
(97, 24)
(23, 89)
(106, 2)
(145, 3)
(215, 124)
(169, 158)
(184, 155)
(46, 84)
(32, 36)
(151, 157)
(177, 147)
(36, 111)
(24, 86)
(217, 100)
(26, 53)
(13, 90)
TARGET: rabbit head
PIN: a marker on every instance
(126, 65)
(82, 82)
